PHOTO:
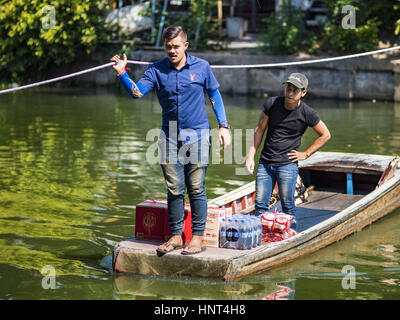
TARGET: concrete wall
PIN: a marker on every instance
(359, 78)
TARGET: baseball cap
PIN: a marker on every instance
(298, 79)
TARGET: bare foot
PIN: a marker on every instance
(195, 245)
(171, 243)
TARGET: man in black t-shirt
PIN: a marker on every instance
(287, 118)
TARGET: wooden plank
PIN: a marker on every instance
(347, 161)
(389, 171)
(324, 200)
(233, 195)
(344, 169)
(140, 257)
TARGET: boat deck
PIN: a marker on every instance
(320, 205)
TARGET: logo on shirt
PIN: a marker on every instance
(192, 76)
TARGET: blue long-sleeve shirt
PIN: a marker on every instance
(181, 95)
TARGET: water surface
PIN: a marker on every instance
(73, 165)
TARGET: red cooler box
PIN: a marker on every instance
(152, 221)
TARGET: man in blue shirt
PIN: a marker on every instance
(180, 80)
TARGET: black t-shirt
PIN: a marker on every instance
(285, 129)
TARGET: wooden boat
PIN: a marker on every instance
(346, 193)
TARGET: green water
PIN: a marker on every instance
(73, 163)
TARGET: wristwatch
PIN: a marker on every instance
(224, 125)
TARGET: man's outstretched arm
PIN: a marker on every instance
(136, 91)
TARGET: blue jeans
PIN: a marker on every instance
(181, 170)
(266, 177)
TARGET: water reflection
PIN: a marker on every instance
(131, 286)
(284, 292)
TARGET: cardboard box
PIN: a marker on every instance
(228, 212)
(152, 222)
(248, 200)
(214, 218)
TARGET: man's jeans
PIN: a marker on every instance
(266, 177)
(186, 166)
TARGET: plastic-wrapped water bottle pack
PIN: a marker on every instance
(240, 232)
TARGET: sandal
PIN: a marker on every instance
(166, 244)
(186, 253)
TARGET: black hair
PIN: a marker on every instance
(173, 32)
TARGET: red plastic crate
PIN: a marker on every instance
(187, 226)
(152, 221)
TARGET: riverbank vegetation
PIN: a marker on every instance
(32, 42)
(36, 35)
(285, 31)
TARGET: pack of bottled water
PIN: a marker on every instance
(240, 232)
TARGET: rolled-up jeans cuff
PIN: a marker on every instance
(176, 233)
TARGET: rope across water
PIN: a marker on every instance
(243, 66)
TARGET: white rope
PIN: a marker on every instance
(36, 84)
(268, 65)
(56, 79)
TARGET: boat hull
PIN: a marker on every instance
(140, 257)
(363, 216)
